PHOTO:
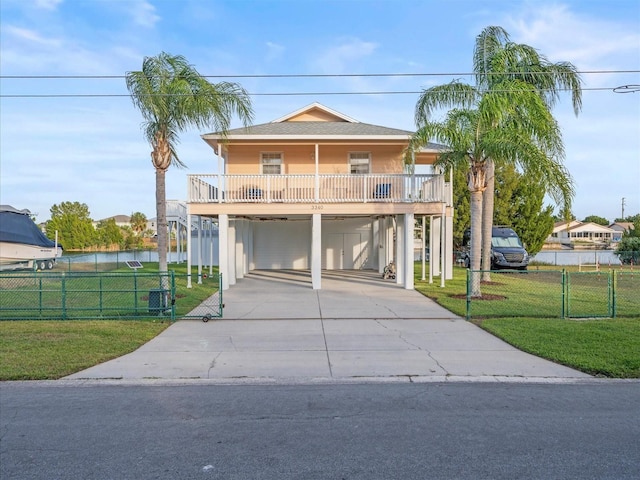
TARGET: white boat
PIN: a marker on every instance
(22, 243)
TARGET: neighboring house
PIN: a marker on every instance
(317, 190)
(619, 228)
(568, 233)
(121, 221)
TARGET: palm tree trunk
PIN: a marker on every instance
(475, 247)
(161, 219)
(487, 219)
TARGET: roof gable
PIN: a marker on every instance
(315, 112)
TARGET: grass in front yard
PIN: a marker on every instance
(40, 350)
(609, 348)
(51, 349)
(605, 347)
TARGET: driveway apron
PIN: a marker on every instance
(357, 327)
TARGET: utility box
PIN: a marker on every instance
(158, 300)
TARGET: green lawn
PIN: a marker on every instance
(525, 311)
(42, 349)
(45, 349)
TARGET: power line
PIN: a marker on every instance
(271, 94)
(319, 75)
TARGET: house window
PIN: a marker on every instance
(359, 162)
(271, 163)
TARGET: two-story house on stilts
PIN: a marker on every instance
(317, 190)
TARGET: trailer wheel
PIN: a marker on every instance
(49, 264)
(206, 318)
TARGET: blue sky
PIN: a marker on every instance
(91, 149)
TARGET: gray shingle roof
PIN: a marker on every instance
(311, 129)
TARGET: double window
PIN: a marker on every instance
(271, 163)
(359, 162)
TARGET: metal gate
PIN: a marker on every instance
(589, 294)
(211, 308)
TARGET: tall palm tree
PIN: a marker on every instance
(507, 76)
(172, 96)
(495, 59)
(509, 125)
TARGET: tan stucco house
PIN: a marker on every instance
(318, 190)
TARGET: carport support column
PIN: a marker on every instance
(316, 251)
(240, 252)
(408, 251)
(223, 249)
(231, 252)
(400, 250)
(189, 251)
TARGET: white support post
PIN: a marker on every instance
(223, 249)
(423, 246)
(211, 248)
(251, 264)
(449, 247)
(431, 249)
(376, 233)
(189, 251)
(316, 251)
(400, 251)
(246, 234)
(408, 251)
(240, 226)
(317, 180)
(436, 228)
(231, 252)
(443, 250)
(199, 250)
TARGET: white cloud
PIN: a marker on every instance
(48, 4)
(274, 51)
(587, 42)
(143, 13)
(342, 57)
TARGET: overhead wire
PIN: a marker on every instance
(617, 89)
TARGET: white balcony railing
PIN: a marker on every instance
(339, 188)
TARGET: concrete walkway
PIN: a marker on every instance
(276, 328)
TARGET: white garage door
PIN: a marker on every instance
(279, 245)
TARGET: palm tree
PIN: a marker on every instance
(512, 125)
(496, 58)
(138, 222)
(172, 96)
(508, 75)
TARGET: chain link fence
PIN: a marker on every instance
(102, 261)
(83, 295)
(547, 293)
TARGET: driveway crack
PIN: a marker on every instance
(405, 340)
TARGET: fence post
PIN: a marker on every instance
(64, 297)
(612, 289)
(100, 277)
(173, 295)
(40, 295)
(564, 292)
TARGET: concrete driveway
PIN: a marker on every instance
(276, 328)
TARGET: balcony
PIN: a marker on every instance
(338, 188)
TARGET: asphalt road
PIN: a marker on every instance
(354, 431)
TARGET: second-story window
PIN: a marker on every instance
(271, 163)
(359, 162)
